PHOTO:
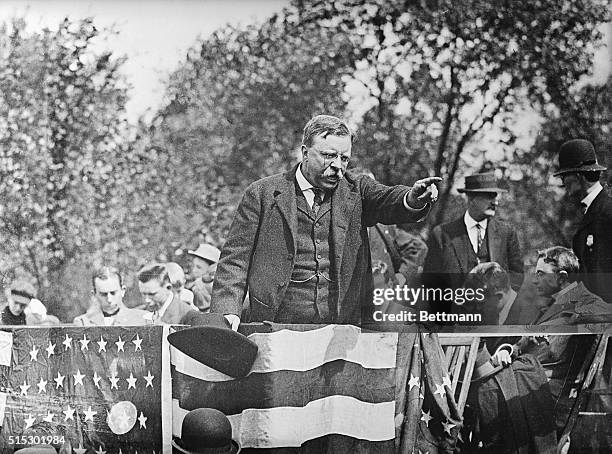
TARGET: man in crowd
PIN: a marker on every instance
(163, 304)
(458, 246)
(203, 268)
(19, 295)
(499, 294)
(107, 307)
(299, 243)
(592, 242)
(178, 280)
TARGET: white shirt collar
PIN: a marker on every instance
(470, 223)
(592, 192)
(302, 182)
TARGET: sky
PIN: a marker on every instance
(154, 34)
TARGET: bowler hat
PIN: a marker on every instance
(207, 252)
(577, 155)
(481, 182)
(205, 430)
(213, 343)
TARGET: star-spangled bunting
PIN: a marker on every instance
(77, 386)
(426, 417)
(414, 381)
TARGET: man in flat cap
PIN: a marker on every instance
(299, 242)
(18, 295)
(592, 242)
(203, 267)
(476, 237)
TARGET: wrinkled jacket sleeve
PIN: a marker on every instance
(230, 282)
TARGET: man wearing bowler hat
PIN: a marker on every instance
(203, 267)
(476, 237)
(592, 242)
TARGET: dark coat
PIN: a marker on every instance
(596, 259)
(450, 251)
(259, 254)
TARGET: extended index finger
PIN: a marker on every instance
(430, 180)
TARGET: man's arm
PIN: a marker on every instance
(230, 283)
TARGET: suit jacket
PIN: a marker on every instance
(450, 249)
(125, 317)
(592, 243)
(259, 254)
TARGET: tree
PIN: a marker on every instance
(61, 130)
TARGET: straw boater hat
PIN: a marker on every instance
(207, 252)
(577, 155)
(481, 182)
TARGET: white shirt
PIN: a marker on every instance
(470, 225)
(308, 190)
(592, 192)
(157, 315)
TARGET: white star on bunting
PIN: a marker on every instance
(96, 379)
(34, 353)
(114, 379)
(68, 414)
(50, 349)
(29, 421)
(131, 381)
(448, 426)
(426, 417)
(84, 343)
(24, 388)
(149, 378)
(49, 417)
(100, 450)
(142, 419)
(59, 380)
(101, 344)
(119, 345)
(89, 414)
(440, 390)
(42, 386)
(414, 381)
(67, 342)
(80, 449)
(78, 378)
(137, 343)
(446, 381)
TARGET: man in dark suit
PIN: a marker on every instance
(592, 242)
(477, 237)
(299, 243)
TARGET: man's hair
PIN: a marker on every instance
(105, 272)
(562, 258)
(155, 271)
(491, 276)
(324, 125)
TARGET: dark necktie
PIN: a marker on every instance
(583, 207)
(480, 232)
(319, 194)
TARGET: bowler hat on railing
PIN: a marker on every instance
(577, 155)
(205, 431)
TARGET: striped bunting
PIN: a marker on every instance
(304, 385)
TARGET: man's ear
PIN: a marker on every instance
(123, 290)
(563, 276)
(304, 151)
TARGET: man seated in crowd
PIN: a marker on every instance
(177, 279)
(19, 295)
(498, 293)
(164, 305)
(203, 267)
(107, 307)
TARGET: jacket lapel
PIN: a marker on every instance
(593, 211)
(461, 243)
(344, 200)
(285, 200)
(495, 241)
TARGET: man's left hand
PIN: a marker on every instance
(423, 192)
